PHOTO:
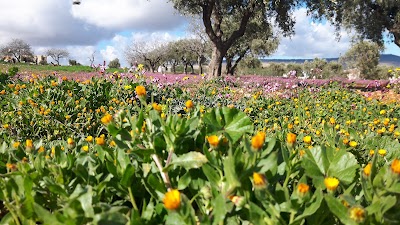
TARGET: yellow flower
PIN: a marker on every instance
(172, 199)
(127, 87)
(89, 139)
(382, 112)
(70, 141)
(41, 149)
(357, 214)
(29, 144)
(382, 152)
(140, 90)
(332, 121)
(100, 140)
(367, 169)
(85, 148)
(11, 166)
(258, 140)
(395, 166)
(371, 152)
(331, 183)
(303, 188)
(346, 141)
(353, 144)
(290, 126)
(157, 107)
(307, 139)
(189, 104)
(291, 138)
(259, 180)
(213, 140)
(16, 144)
(107, 119)
(112, 144)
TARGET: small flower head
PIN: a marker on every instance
(189, 104)
(357, 214)
(29, 144)
(70, 141)
(85, 148)
(156, 107)
(307, 140)
(16, 144)
(395, 166)
(331, 183)
(100, 140)
(213, 140)
(259, 180)
(291, 138)
(258, 141)
(353, 144)
(172, 199)
(382, 152)
(367, 170)
(303, 189)
(140, 90)
(89, 138)
(106, 119)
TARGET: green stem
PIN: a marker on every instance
(292, 214)
(132, 199)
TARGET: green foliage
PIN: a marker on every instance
(250, 62)
(137, 153)
(363, 56)
(114, 64)
(73, 62)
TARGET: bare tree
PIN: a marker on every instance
(17, 49)
(200, 43)
(151, 54)
(56, 54)
(91, 58)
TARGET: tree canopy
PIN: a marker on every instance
(18, 49)
(369, 18)
(220, 15)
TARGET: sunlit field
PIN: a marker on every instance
(134, 148)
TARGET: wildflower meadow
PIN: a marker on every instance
(134, 148)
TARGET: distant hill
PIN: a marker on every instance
(387, 59)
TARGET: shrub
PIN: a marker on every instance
(114, 63)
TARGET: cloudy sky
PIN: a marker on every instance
(107, 27)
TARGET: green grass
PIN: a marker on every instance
(23, 67)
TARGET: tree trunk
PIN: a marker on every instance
(215, 69)
(200, 64)
(191, 66)
(174, 68)
(229, 65)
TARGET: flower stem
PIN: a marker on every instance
(132, 199)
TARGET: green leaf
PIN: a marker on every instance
(47, 217)
(315, 162)
(343, 166)
(184, 181)
(232, 122)
(128, 176)
(340, 211)
(110, 218)
(191, 160)
(211, 174)
(220, 209)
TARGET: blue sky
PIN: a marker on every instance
(106, 30)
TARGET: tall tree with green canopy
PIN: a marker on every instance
(217, 15)
(257, 41)
(369, 18)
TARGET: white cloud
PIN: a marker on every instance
(123, 14)
(313, 40)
